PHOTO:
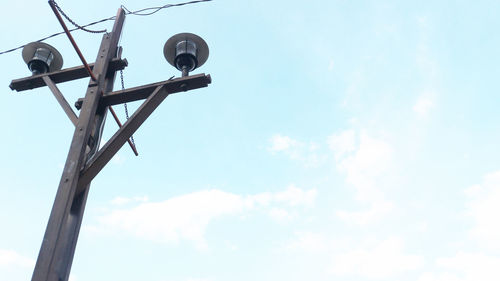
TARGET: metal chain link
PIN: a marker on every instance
(74, 23)
(125, 104)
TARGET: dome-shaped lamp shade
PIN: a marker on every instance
(42, 58)
(186, 52)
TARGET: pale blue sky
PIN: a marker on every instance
(339, 140)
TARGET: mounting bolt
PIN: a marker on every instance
(78, 104)
(183, 87)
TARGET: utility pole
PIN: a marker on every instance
(85, 160)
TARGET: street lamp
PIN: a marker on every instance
(186, 52)
(42, 58)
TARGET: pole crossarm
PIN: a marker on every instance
(64, 75)
(159, 93)
(176, 85)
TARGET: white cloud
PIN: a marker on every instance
(308, 242)
(180, 217)
(367, 164)
(342, 143)
(446, 276)
(118, 159)
(371, 160)
(123, 200)
(263, 199)
(429, 69)
(428, 65)
(11, 258)
(422, 226)
(186, 217)
(282, 143)
(377, 210)
(380, 262)
(423, 106)
(465, 267)
(296, 150)
(483, 208)
(475, 266)
(196, 279)
(280, 214)
(120, 201)
(295, 196)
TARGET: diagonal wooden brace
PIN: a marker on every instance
(60, 98)
(162, 90)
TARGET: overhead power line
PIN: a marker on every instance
(141, 12)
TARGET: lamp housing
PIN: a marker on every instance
(186, 52)
(42, 58)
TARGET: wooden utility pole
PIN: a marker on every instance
(85, 160)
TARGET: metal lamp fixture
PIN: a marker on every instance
(42, 58)
(186, 52)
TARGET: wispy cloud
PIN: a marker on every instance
(483, 264)
(366, 161)
(483, 208)
(304, 152)
(283, 143)
(342, 143)
(186, 217)
(118, 159)
(423, 106)
(383, 260)
(376, 211)
(308, 241)
(124, 200)
(182, 217)
(465, 267)
(280, 214)
(475, 266)
(429, 69)
(195, 279)
(12, 258)
(294, 196)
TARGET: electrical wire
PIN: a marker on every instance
(127, 12)
(57, 34)
(156, 9)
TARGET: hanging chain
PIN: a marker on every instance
(125, 104)
(74, 23)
